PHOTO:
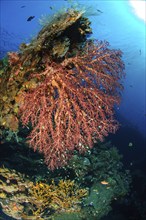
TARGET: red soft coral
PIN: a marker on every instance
(72, 106)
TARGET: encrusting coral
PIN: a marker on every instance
(63, 87)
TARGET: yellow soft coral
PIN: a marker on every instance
(64, 197)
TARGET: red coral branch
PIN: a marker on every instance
(73, 105)
(13, 58)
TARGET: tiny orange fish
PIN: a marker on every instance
(104, 182)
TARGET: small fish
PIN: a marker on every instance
(51, 7)
(130, 144)
(30, 18)
(23, 6)
(129, 63)
(131, 86)
(140, 52)
(99, 11)
(104, 182)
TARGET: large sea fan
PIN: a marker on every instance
(72, 104)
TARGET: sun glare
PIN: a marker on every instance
(139, 8)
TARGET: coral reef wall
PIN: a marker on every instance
(62, 88)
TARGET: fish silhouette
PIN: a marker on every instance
(30, 18)
(99, 11)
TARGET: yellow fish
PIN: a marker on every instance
(104, 182)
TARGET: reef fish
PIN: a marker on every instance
(30, 18)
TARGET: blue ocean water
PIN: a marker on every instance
(114, 21)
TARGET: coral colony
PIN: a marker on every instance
(63, 88)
